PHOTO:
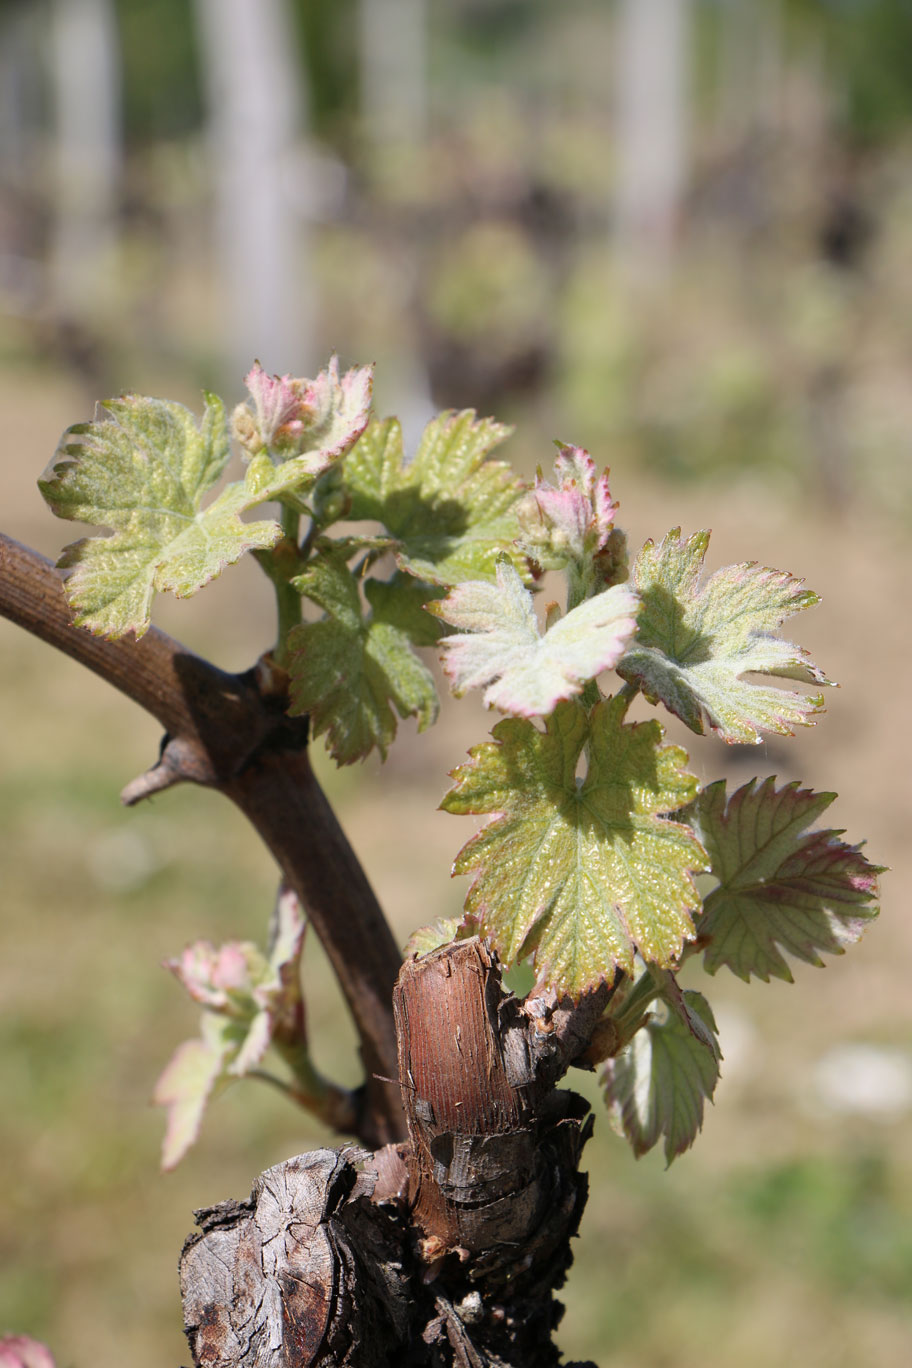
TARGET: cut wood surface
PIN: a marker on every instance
(443, 1251)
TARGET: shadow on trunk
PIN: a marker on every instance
(446, 1250)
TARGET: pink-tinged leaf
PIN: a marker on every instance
(237, 980)
(259, 1035)
(20, 1351)
(218, 978)
(337, 408)
(278, 404)
(502, 650)
(282, 991)
(320, 419)
(658, 1084)
(781, 887)
(570, 520)
(196, 1070)
(247, 999)
(698, 638)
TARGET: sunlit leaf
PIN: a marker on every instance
(143, 473)
(349, 671)
(432, 936)
(452, 509)
(781, 887)
(582, 875)
(697, 639)
(657, 1085)
(502, 650)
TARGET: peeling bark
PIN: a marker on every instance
(443, 1251)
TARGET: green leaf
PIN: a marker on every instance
(432, 936)
(451, 508)
(347, 670)
(400, 602)
(582, 875)
(528, 674)
(657, 1085)
(697, 639)
(143, 473)
(781, 888)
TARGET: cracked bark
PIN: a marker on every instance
(444, 1251)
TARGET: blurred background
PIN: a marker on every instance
(676, 231)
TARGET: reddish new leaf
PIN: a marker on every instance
(781, 887)
(570, 520)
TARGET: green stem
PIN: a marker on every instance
(591, 695)
(628, 693)
(333, 1105)
(580, 583)
(632, 1011)
(288, 600)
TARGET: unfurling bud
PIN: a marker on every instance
(281, 413)
(571, 520)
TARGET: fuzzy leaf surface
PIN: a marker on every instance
(348, 671)
(311, 423)
(501, 646)
(451, 509)
(571, 519)
(657, 1085)
(143, 473)
(697, 639)
(580, 875)
(781, 887)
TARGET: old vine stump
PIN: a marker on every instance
(446, 1250)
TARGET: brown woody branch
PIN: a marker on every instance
(230, 732)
